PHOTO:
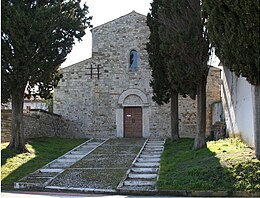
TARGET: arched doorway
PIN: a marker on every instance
(132, 117)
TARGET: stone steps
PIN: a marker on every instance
(151, 152)
(67, 160)
(140, 183)
(145, 168)
(69, 156)
(147, 159)
(142, 176)
(144, 164)
(50, 170)
(154, 149)
(43, 176)
(151, 155)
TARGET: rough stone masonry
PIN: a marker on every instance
(109, 96)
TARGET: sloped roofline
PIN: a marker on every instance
(89, 59)
(133, 12)
(75, 64)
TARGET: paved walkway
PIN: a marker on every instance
(99, 166)
(42, 177)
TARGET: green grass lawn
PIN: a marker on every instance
(224, 165)
(15, 166)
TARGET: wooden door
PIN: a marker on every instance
(133, 122)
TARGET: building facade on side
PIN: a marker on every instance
(109, 94)
(241, 107)
(28, 104)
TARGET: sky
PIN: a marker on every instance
(104, 11)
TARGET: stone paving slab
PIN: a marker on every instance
(49, 170)
(154, 149)
(140, 183)
(145, 170)
(73, 156)
(154, 146)
(151, 152)
(141, 164)
(142, 176)
(150, 155)
(141, 159)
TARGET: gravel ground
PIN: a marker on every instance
(105, 161)
(125, 142)
(34, 180)
(109, 150)
(91, 178)
(104, 168)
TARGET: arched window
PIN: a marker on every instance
(133, 61)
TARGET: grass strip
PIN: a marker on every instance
(224, 165)
(15, 166)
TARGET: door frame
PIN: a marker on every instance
(144, 104)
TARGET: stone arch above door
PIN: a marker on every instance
(134, 96)
(132, 100)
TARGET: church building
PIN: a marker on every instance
(109, 94)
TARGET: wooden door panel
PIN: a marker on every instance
(132, 122)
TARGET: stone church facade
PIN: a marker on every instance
(108, 95)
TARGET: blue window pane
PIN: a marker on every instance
(133, 59)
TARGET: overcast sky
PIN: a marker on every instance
(102, 12)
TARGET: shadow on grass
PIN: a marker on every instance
(43, 150)
(185, 169)
(7, 153)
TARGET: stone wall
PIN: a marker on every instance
(92, 101)
(94, 92)
(39, 123)
(213, 93)
(160, 121)
(6, 125)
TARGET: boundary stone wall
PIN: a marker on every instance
(39, 123)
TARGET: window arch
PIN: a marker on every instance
(133, 59)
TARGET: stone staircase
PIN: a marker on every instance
(43, 176)
(143, 174)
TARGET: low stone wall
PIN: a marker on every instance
(6, 125)
(40, 123)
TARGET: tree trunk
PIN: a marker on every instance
(256, 107)
(174, 116)
(17, 141)
(200, 139)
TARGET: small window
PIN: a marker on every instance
(133, 62)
